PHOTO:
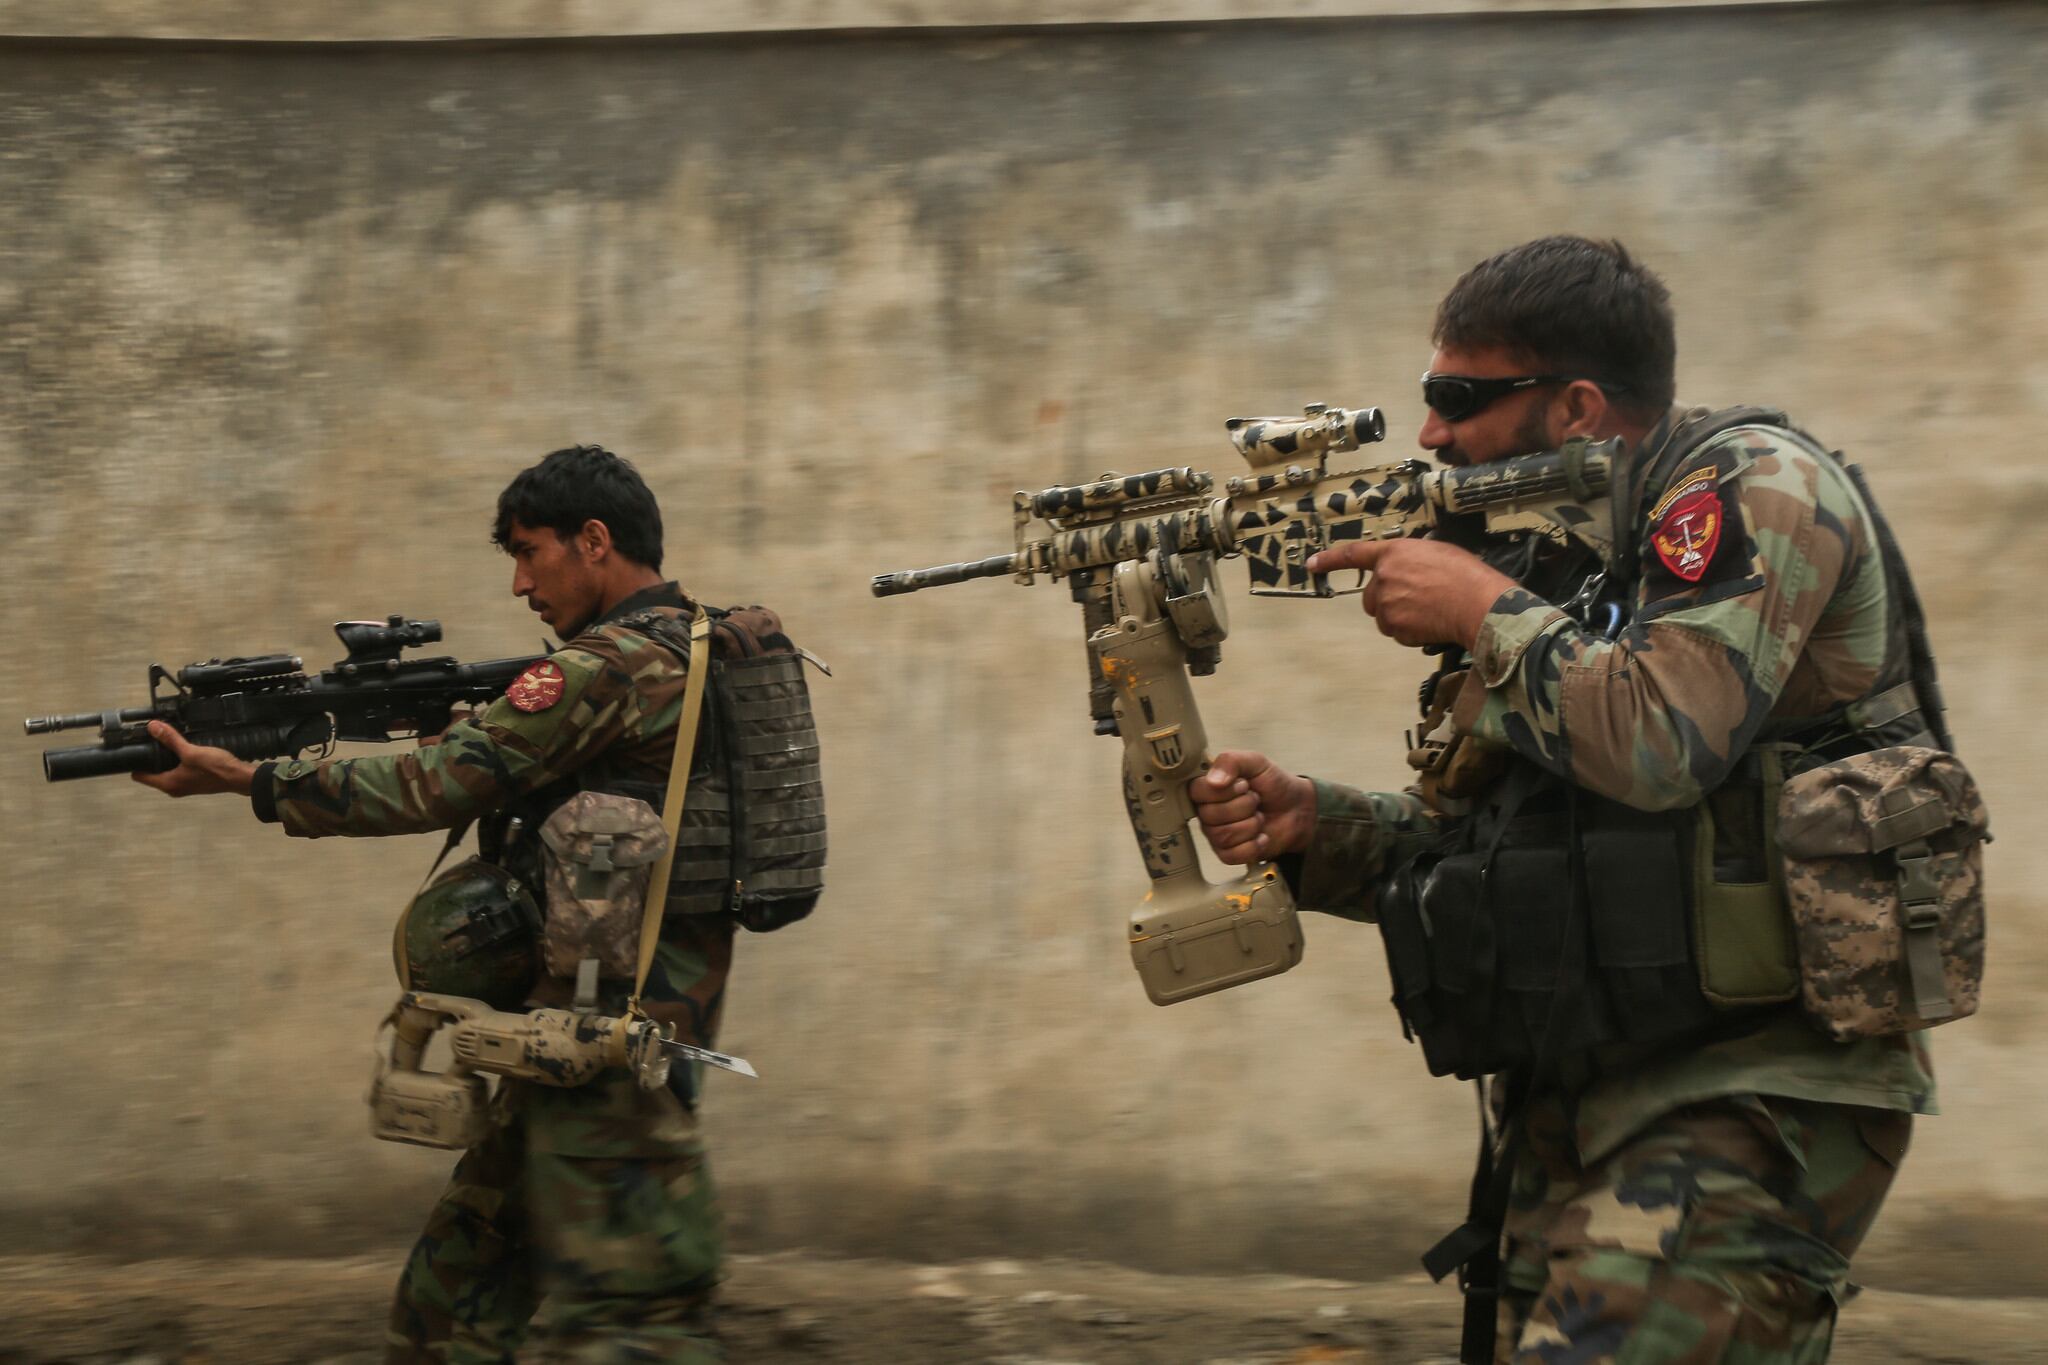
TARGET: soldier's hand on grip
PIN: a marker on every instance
(1250, 808)
(200, 772)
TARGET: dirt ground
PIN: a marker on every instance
(794, 1307)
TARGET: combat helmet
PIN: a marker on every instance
(475, 932)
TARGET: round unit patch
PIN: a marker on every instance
(538, 688)
(1686, 527)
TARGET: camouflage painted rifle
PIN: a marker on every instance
(267, 707)
(1139, 553)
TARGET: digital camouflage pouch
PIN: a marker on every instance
(598, 853)
(1884, 870)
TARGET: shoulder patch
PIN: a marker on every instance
(538, 688)
(1696, 546)
(1687, 524)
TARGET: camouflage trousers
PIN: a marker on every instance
(595, 1200)
(1721, 1233)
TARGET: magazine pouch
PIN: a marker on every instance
(598, 853)
(1884, 869)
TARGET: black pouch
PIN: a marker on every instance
(1404, 933)
(1475, 955)
(1637, 895)
(1464, 959)
(1544, 975)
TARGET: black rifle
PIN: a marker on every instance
(267, 707)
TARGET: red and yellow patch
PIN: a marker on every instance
(1685, 526)
(538, 688)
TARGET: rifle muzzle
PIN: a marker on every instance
(910, 580)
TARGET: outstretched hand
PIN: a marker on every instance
(200, 772)
(1250, 809)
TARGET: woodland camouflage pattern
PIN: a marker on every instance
(1842, 874)
(1720, 1235)
(1789, 619)
(596, 1197)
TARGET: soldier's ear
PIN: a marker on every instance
(1585, 408)
(594, 541)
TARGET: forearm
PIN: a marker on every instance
(436, 787)
(1355, 832)
(1653, 719)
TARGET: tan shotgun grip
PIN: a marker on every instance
(1189, 936)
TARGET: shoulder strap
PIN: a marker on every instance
(1695, 431)
(672, 805)
(1906, 599)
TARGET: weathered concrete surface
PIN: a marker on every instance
(275, 326)
(408, 20)
(796, 1309)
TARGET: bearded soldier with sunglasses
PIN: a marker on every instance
(1577, 895)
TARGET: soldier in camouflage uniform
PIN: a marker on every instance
(1696, 1203)
(596, 1198)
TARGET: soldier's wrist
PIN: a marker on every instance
(263, 793)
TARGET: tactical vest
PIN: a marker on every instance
(752, 841)
(1549, 926)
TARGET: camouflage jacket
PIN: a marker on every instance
(1766, 604)
(620, 699)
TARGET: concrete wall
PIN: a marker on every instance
(277, 323)
(407, 20)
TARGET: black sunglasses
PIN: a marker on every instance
(1454, 397)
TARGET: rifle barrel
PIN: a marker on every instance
(910, 580)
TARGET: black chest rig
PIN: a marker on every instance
(1546, 930)
(1546, 935)
(1540, 919)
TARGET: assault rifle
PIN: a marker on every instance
(1139, 554)
(267, 707)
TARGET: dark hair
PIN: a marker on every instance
(584, 483)
(1567, 305)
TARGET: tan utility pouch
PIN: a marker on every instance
(598, 853)
(1884, 869)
